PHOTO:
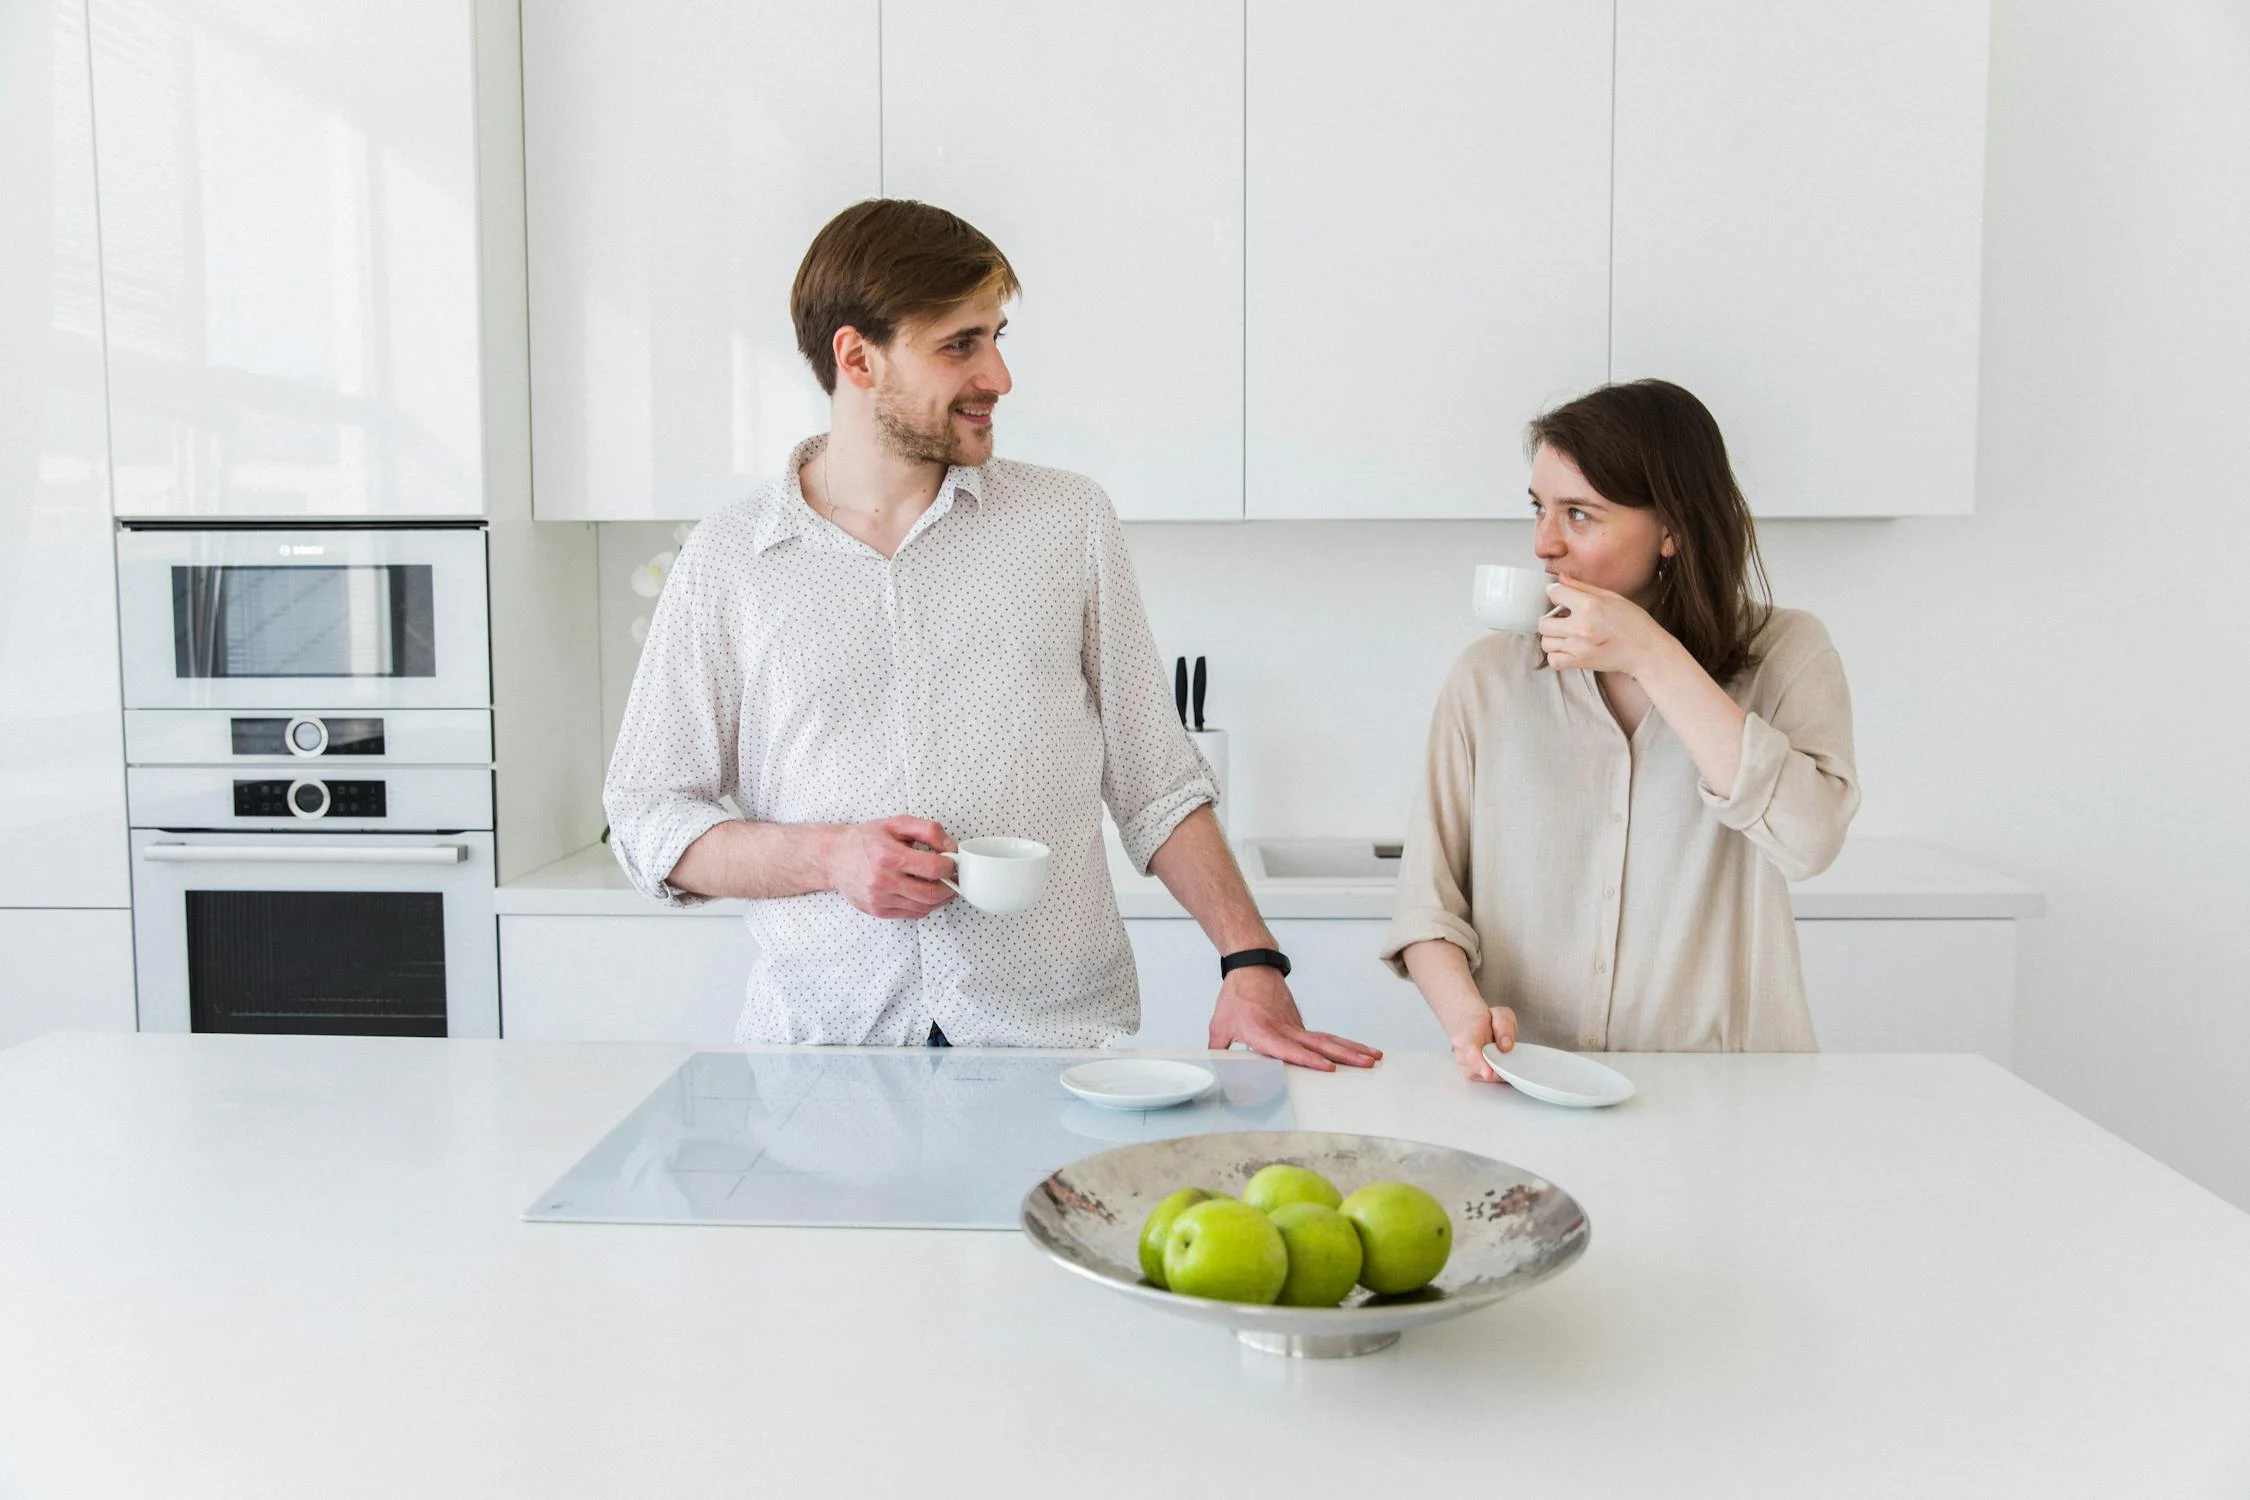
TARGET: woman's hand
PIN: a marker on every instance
(1496, 1024)
(1440, 970)
(1602, 631)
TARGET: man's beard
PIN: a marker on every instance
(938, 442)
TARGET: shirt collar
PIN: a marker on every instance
(785, 513)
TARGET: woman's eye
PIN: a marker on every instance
(1578, 516)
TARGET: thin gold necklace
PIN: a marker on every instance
(829, 491)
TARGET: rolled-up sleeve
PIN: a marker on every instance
(1797, 789)
(1434, 866)
(675, 755)
(1152, 774)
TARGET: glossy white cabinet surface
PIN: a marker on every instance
(1099, 144)
(622, 979)
(62, 756)
(288, 227)
(679, 157)
(1339, 985)
(1428, 246)
(65, 971)
(1800, 192)
(1911, 986)
(1872, 986)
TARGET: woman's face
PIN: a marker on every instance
(1577, 532)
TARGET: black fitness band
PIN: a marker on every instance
(1254, 958)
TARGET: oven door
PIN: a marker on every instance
(259, 618)
(322, 934)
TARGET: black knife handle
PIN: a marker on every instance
(1180, 687)
(1197, 691)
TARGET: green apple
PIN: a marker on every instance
(1324, 1254)
(1158, 1224)
(1404, 1234)
(1227, 1251)
(1282, 1183)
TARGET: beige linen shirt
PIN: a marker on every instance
(997, 675)
(1600, 888)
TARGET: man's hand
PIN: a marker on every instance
(878, 867)
(1256, 1009)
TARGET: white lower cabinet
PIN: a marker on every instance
(1873, 986)
(1911, 986)
(658, 978)
(68, 969)
(1339, 985)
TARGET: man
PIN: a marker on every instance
(901, 640)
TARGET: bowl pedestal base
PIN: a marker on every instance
(1316, 1345)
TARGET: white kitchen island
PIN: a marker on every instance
(248, 1266)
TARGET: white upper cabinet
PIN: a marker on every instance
(62, 757)
(1099, 144)
(1428, 247)
(288, 197)
(679, 157)
(1799, 200)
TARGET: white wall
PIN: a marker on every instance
(2054, 686)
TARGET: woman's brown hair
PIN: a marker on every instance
(1651, 445)
(885, 262)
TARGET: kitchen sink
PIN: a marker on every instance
(1354, 861)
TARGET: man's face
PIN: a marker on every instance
(937, 382)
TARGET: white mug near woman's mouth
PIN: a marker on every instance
(1510, 598)
(998, 875)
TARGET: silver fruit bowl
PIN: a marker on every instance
(1511, 1230)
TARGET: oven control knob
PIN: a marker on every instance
(306, 735)
(308, 798)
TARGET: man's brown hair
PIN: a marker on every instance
(886, 262)
(1651, 445)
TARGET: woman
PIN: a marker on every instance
(1613, 809)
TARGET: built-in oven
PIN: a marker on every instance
(309, 746)
(350, 935)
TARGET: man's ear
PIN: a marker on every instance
(854, 358)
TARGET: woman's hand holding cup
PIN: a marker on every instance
(1598, 630)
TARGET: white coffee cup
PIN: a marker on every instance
(1001, 876)
(1507, 598)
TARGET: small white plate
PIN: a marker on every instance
(1137, 1082)
(1559, 1077)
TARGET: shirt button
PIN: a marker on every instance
(1617, 817)
(1611, 893)
(1601, 966)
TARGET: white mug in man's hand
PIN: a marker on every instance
(1507, 598)
(1001, 876)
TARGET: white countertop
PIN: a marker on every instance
(264, 1266)
(1872, 878)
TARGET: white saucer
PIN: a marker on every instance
(1137, 1082)
(1559, 1077)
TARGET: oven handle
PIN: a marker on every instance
(276, 854)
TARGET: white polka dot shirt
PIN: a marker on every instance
(996, 676)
